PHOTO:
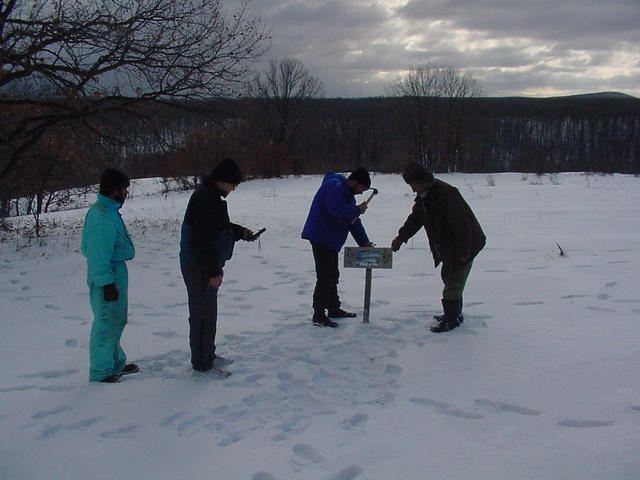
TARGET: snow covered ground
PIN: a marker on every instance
(542, 381)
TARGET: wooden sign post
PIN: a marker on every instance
(368, 258)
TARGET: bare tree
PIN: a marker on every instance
(436, 116)
(282, 91)
(96, 57)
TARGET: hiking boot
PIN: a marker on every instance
(130, 368)
(439, 318)
(450, 319)
(111, 379)
(321, 320)
(213, 372)
(339, 313)
(221, 361)
(444, 326)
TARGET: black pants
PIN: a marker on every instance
(454, 276)
(203, 317)
(325, 295)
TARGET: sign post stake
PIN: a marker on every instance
(367, 258)
(367, 296)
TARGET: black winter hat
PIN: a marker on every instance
(361, 176)
(417, 173)
(113, 180)
(227, 171)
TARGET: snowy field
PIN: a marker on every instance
(542, 381)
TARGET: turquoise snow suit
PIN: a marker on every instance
(106, 245)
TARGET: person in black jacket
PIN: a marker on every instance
(454, 233)
(206, 243)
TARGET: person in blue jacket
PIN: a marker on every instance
(106, 244)
(332, 216)
(206, 243)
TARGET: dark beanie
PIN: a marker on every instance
(113, 180)
(227, 171)
(417, 173)
(361, 176)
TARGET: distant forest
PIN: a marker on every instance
(599, 133)
(272, 137)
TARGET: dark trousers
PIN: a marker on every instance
(203, 317)
(454, 276)
(325, 295)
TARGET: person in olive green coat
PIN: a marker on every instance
(454, 233)
(106, 244)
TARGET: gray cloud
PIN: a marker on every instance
(518, 47)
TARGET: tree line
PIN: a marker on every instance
(589, 133)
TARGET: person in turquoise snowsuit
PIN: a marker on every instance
(107, 245)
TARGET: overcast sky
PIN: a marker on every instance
(519, 47)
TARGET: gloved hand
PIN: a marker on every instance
(248, 236)
(396, 244)
(110, 292)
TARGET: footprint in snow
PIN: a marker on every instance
(456, 412)
(53, 430)
(51, 374)
(529, 303)
(502, 407)
(71, 342)
(122, 432)
(18, 388)
(263, 476)
(428, 402)
(284, 376)
(443, 408)
(306, 454)
(57, 388)
(348, 473)
(586, 423)
(291, 426)
(255, 378)
(636, 408)
(170, 419)
(46, 413)
(52, 307)
(354, 421)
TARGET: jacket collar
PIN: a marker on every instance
(109, 202)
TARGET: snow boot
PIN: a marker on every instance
(111, 379)
(439, 318)
(340, 313)
(321, 320)
(450, 317)
(130, 368)
(221, 362)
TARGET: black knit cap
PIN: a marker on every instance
(113, 180)
(227, 171)
(361, 176)
(417, 173)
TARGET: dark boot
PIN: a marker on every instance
(130, 368)
(340, 313)
(111, 379)
(321, 320)
(450, 321)
(439, 318)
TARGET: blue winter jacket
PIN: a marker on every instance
(331, 213)
(105, 241)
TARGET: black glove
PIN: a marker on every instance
(110, 292)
